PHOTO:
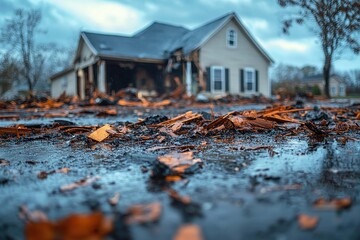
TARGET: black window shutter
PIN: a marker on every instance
(256, 80)
(208, 80)
(242, 85)
(227, 80)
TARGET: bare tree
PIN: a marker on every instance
(8, 72)
(336, 24)
(18, 35)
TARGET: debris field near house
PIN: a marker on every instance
(128, 167)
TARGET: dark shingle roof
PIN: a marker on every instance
(193, 39)
(156, 41)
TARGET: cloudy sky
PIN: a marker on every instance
(64, 19)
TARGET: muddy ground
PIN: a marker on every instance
(252, 185)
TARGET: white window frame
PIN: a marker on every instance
(246, 80)
(228, 38)
(222, 69)
(342, 90)
(333, 91)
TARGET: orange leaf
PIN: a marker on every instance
(100, 134)
(307, 222)
(188, 232)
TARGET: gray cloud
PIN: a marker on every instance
(262, 17)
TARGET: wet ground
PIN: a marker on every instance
(251, 186)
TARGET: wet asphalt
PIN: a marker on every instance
(239, 193)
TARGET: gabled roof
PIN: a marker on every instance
(195, 38)
(159, 39)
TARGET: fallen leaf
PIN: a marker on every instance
(144, 213)
(94, 226)
(100, 134)
(3, 162)
(334, 204)
(80, 183)
(188, 232)
(307, 222)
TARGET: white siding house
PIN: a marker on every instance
(219, 57)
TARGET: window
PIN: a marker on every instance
(333, 91)
(250, 80)
(217, 79)
(342, 91)
(231, 38)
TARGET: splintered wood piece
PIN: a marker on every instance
(179, 162)
(307, 222)
(4, 162)
(100, 134)
(175, 196)
(334, 204)
(241, 121)
(113, 201)
(17, 130)
(44, 174)
(144, 213)
(80, 183)
(88, 226)
(188, 232)
(312, 127)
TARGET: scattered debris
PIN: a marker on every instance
(44, 174)
(188, 232)
(114, 200)
(144, 213)
(307, 222)
(176, 164)
(4, 162)
(80, 183)
(334, 204)
(76, 226)
(100, 134)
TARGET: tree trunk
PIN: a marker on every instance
(326, 73)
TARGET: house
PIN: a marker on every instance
(216, 58)
(337, 85)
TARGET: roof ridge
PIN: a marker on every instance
(215, 20)
(106, 34)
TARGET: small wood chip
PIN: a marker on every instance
(307, 222)
(100, 134)
(113, 201)
(188, 232)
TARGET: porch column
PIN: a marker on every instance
(81, 83)
(91, 79)
(188, 78)
(102, 77)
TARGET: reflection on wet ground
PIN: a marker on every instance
(242, 192)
